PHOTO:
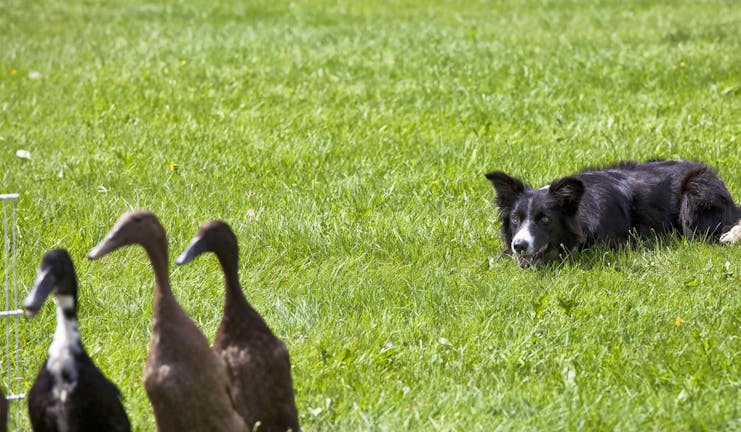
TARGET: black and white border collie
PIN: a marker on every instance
(613, 205)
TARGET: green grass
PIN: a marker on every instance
(345, 143)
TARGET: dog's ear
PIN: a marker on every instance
(568, 192)
(507, 188)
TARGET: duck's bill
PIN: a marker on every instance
(107, 245)
(42, 287)
(195, 248)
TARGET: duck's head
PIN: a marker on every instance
(213, 236)
(134, 227)
(56, 274)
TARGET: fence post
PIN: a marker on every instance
(11, 315)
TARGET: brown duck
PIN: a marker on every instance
(186, 382)
(258, 362)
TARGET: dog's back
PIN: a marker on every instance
(635, 199)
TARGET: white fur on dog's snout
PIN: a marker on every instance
(733, 235)
(524, 235)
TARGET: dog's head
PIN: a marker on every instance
(538, 224)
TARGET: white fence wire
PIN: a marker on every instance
(11, 316)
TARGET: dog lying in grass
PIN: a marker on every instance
(612, 205)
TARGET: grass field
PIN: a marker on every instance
(346, 143)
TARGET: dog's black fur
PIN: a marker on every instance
(612, 205)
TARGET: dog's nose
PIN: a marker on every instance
(519, 246)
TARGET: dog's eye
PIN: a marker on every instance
(545, 220)
(515, 220)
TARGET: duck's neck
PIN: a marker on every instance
(163, 296)
(231, 281)
(66, 336)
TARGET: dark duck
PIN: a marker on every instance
(70, 393)
(257, 361)
(3, 412)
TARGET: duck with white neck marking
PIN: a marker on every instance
(70, 394)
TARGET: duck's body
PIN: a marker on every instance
(259, 369)
(258, 362)
(70, 394)
(3, 412)
(56, 405)
(186, 382)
